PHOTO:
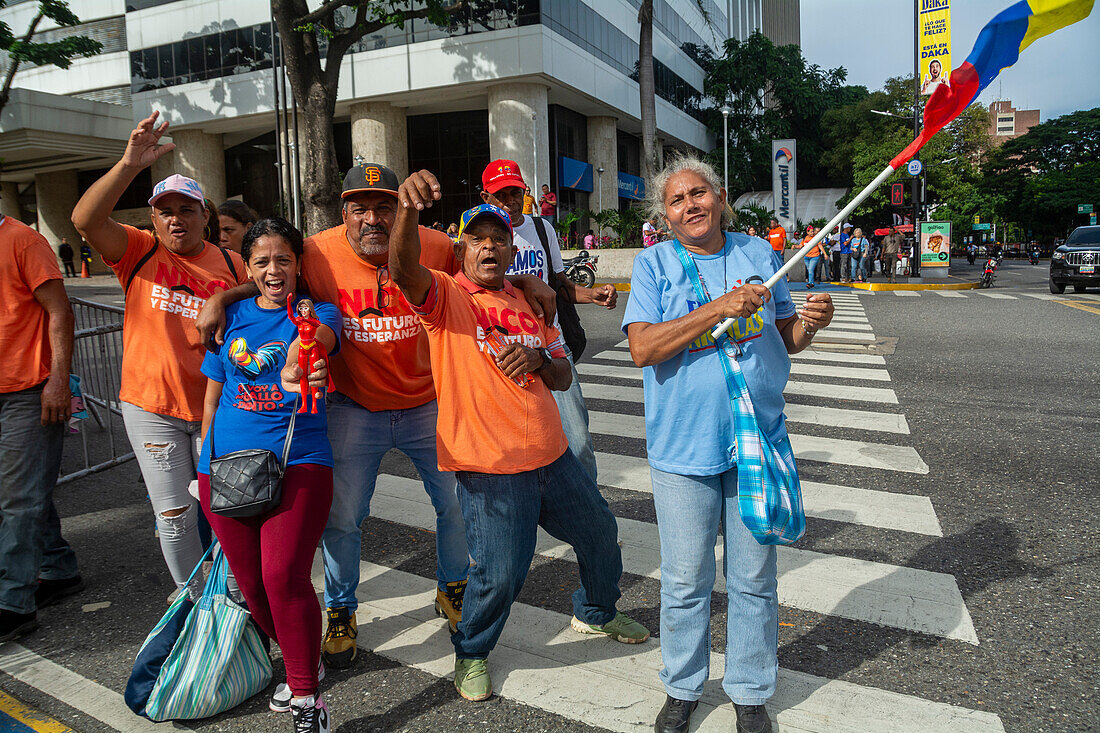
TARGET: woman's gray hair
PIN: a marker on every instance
(683, 163)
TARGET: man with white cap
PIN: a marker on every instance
(166, 277)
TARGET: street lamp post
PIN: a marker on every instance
(599, 185)
(726, 147)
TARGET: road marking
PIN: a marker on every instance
(904, 598)
(1080, 306)
(906, 293)
(15, 717)
(90, 698)
(831, 334)
(948, 294)
(878, 395)
(541, 662)
(1040, 296)
(997, 296)
(823, 370)
(837, 356)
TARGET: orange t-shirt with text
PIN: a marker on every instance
(383, 361)
(778, 238)
(488, 423)
(816, 251)
(161, 351)
(26, 262)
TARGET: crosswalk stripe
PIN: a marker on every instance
(539, 661)
(838, 356)
(1040, 296)
(998, 296)
(823, 370)
(906, 293)
(949, 294)
(595, 391)
(831, 334)
(904, 598)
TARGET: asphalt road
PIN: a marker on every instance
(1002, 400)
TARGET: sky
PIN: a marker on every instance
(873, 40)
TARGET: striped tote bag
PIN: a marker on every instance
(201, 659)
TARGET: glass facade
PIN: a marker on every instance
(455, 147)
(234, 51)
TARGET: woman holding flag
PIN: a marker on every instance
(680, 289)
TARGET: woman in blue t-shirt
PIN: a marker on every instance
(248, 407)
(690, 434)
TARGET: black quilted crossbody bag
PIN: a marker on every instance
(247, 483)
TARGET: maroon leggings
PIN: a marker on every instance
(271, 557)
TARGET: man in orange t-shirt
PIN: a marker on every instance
(36, 346)
(777, 237)
(494, 364)
(165, 278)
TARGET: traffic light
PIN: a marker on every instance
(897, 194)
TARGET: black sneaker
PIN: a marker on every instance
(675, 715)
(311, 717)
(752, 719)
(13, 625)
(50, 592)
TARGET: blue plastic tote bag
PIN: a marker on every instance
(202, 658)
(769, 495)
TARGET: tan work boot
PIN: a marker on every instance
(448, 603)
(338, 649)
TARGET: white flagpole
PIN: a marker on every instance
(840, 217)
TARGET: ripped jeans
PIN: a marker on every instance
(167, 451)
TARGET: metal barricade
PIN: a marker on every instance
(97, 360)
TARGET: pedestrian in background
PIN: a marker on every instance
(234, 219)
(845, 252)
(452, 230)
(85, 256)
(65, 252)
(858, 247)
(891, 246)
(548, 204)
(690, 434)
(248, 407)
(834, 256)
(777, 236)
(162, 387)
(812, 257)
(528, 207)
(37, 566)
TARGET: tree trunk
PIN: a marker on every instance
(646, 91)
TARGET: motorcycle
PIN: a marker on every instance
(989, 272)
(1033, 256)
(971, 254)
(582, 268)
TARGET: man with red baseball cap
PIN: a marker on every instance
(538, 254)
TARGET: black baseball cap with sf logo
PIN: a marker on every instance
(370, 177)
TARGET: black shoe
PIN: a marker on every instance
(752, 719)
(50, 592)
(13, 625)
(675, 715)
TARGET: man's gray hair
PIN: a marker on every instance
(683, 163)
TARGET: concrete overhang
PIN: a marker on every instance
(42, 132)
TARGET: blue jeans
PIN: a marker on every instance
(777, 255)
(811, 270)
(855, 269)
(503, 513)
(31, 545)
(689, 510)
(574, 420)
(359, 439)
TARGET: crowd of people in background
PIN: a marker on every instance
(844, 256)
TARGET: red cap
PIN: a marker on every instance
(501, 174)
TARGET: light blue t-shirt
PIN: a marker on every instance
(688, 416)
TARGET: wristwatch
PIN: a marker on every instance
(547, 357)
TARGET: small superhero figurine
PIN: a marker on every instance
(309, 348)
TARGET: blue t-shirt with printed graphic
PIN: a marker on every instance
(688, 416)
(254, 412)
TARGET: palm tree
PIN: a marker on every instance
(646, 90)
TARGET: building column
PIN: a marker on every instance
(379, 133)
(603, 152)
(519, 130)
(56, 195)
(9, 200)
(200, 156)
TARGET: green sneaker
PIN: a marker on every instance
(472, 679)
(621, 628)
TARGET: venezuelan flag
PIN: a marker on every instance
(998, 47)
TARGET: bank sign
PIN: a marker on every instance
(785, 183)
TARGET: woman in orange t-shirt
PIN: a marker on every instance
(812, 257)
(166, 277)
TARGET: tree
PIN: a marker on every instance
(773, 92)
(314, 44)
(27, 50)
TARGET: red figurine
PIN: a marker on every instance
(309, 348)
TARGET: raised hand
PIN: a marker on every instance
(143, 147)
(419, 191)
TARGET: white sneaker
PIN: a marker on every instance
(311, 716)
(280, 699)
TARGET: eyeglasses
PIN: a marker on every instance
(382, 295)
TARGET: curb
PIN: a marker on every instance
(875, 287)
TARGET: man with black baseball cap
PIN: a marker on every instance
(384, 396)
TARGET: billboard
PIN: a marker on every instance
(935, 244)
(934, 45)
(785, 183)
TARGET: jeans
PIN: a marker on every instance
(167, 452)
(689, 510)
(31, 545)
(359, 439)
(811, 270)
(777, 255)
(574, 420)
(855, 266)
(503, 513)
